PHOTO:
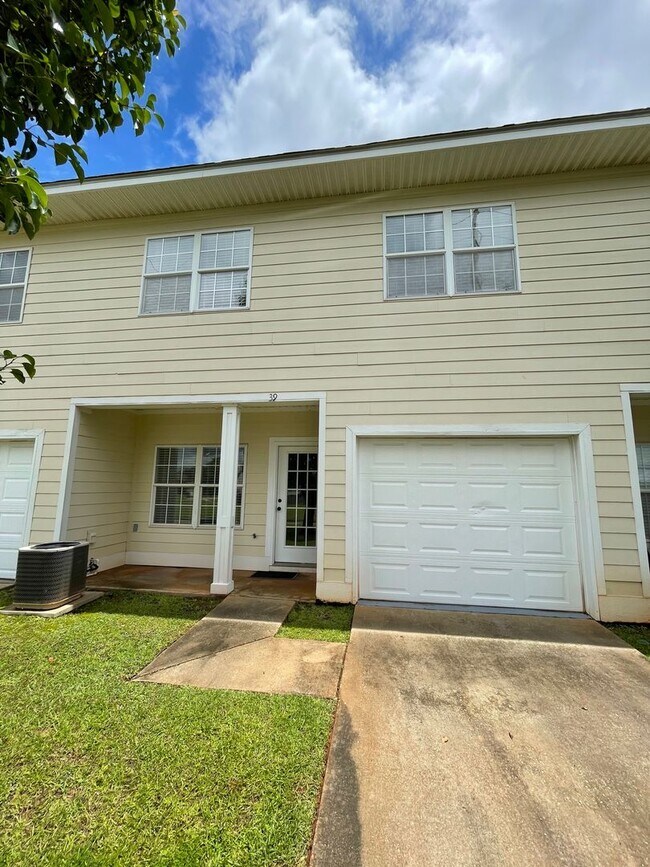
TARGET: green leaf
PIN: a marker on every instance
(105, 16)
(20, 376)
(69, 68)
(7, 354)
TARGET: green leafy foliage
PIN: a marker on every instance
(21, 367)
(67, 67)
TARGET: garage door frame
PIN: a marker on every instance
(579, 435)
(36, 437)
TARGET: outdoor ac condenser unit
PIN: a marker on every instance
(50, 574)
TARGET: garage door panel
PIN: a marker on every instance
(548, 542)
(499, 529)
(465, 496)
(389, 536)
(496, 586)
(544, 457)
(484, 540)
(435, 539)
(546, 588)
(439, 496)
(15, 485)
(467, 583)
(387, 494)
(439, 583)
(390, 580)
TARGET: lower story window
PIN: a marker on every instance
(186, 486)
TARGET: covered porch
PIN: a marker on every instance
(194, 495)
(188, 581)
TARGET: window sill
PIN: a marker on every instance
(446, 295)
(206, 528)
(193, 312)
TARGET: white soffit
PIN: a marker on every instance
(577, 144)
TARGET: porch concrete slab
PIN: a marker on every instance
(235, 621)
(473, 739)
(272, 665)
(86, 597)
(300, 589)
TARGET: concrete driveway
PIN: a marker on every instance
(477, 739)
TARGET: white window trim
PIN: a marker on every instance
(196, 484)
(29, 251)
(449, 250)
(628, 390)
(196, 271)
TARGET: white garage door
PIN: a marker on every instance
(15, 483)
(469, 521)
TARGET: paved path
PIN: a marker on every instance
(234, 647)
(474, 739)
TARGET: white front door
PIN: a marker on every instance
(16, 458)
(296, 500)
(469, 521)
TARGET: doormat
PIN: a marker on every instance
(284, 575)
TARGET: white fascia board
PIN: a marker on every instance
(455, 140)
(210, 400)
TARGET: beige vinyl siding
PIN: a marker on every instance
(557, 352)
(101, 491)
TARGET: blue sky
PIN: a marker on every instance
(265, 76)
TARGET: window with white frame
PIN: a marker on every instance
(13, 280)
(453, 251)
(202, 271)
(643, 462)
(186, 486)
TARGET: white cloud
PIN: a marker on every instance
(465, 63)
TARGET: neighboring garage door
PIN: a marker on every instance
(469, 521)
(15, 483)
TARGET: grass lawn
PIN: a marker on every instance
(97, 770)
(318, 622)
(635, 634)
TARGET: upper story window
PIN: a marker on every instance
(203, 271)
(13, 279)
(455, 251)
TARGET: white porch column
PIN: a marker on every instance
(222, 576)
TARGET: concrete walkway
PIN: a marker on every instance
(233, 647)
(474, 739)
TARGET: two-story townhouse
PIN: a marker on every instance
(419, 368)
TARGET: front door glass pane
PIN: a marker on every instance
(302, 482)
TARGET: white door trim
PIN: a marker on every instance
(275, 444)
(589, 542)
(37, 437)
(627, 390)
